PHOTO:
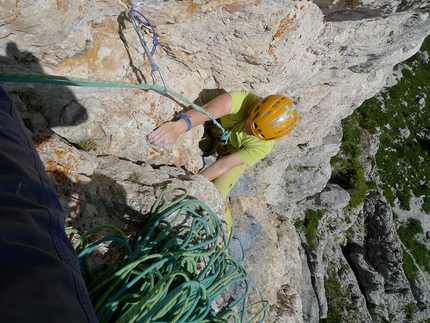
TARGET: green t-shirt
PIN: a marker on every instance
(250, 148)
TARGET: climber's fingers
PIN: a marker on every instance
(166, 135)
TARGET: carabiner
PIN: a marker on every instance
(154, 68)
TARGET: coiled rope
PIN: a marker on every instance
(172, 273)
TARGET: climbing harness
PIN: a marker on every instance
(136, 18)
(216, 139)
(172, 272)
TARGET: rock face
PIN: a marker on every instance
(378, 263)
(329, 56)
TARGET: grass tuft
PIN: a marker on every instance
(87, 144)
(134, 178)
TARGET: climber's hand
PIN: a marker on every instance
(165, 136)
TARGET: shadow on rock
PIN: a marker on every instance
(40, 105)
(100, 200)
(87, 203)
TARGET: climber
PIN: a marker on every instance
(254, 123)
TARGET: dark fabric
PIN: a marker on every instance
(40, 279)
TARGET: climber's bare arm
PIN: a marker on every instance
(221, 166)
(166, 135)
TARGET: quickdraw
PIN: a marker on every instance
(138, 20)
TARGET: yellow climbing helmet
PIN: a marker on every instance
(273, 117)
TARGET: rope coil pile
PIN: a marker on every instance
(172, 272)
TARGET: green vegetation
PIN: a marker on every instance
(310, 226)
(403, 157)
(340, 307)
(268, 161)
(409, 265)
(399, 115)
(409, 310)
(134, 178)
(335, 299)
(87, 144)
(348, 172)
(421, 255)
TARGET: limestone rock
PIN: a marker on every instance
(404, 132)
(424, 134)
(96, 40)
(107, 189)
(384, 250)
(330, 227)
(378, 264)
(272, 257)
(328, 56)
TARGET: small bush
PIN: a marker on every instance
(409, 310)
(134, 178)
(87, 144)
(340, 306)
(404, 199)
(407, 233)
(335, 298)
(388, 193)
(426, 206)
(298, 225)
(409, 266)
(350, 176)
(310, 226)
(367, 113)
(347, 170)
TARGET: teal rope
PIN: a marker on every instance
(83, 82)
(171, 275)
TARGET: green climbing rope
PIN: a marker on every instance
(172, 272)
(74, 81)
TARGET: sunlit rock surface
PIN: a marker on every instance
(329, 56)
